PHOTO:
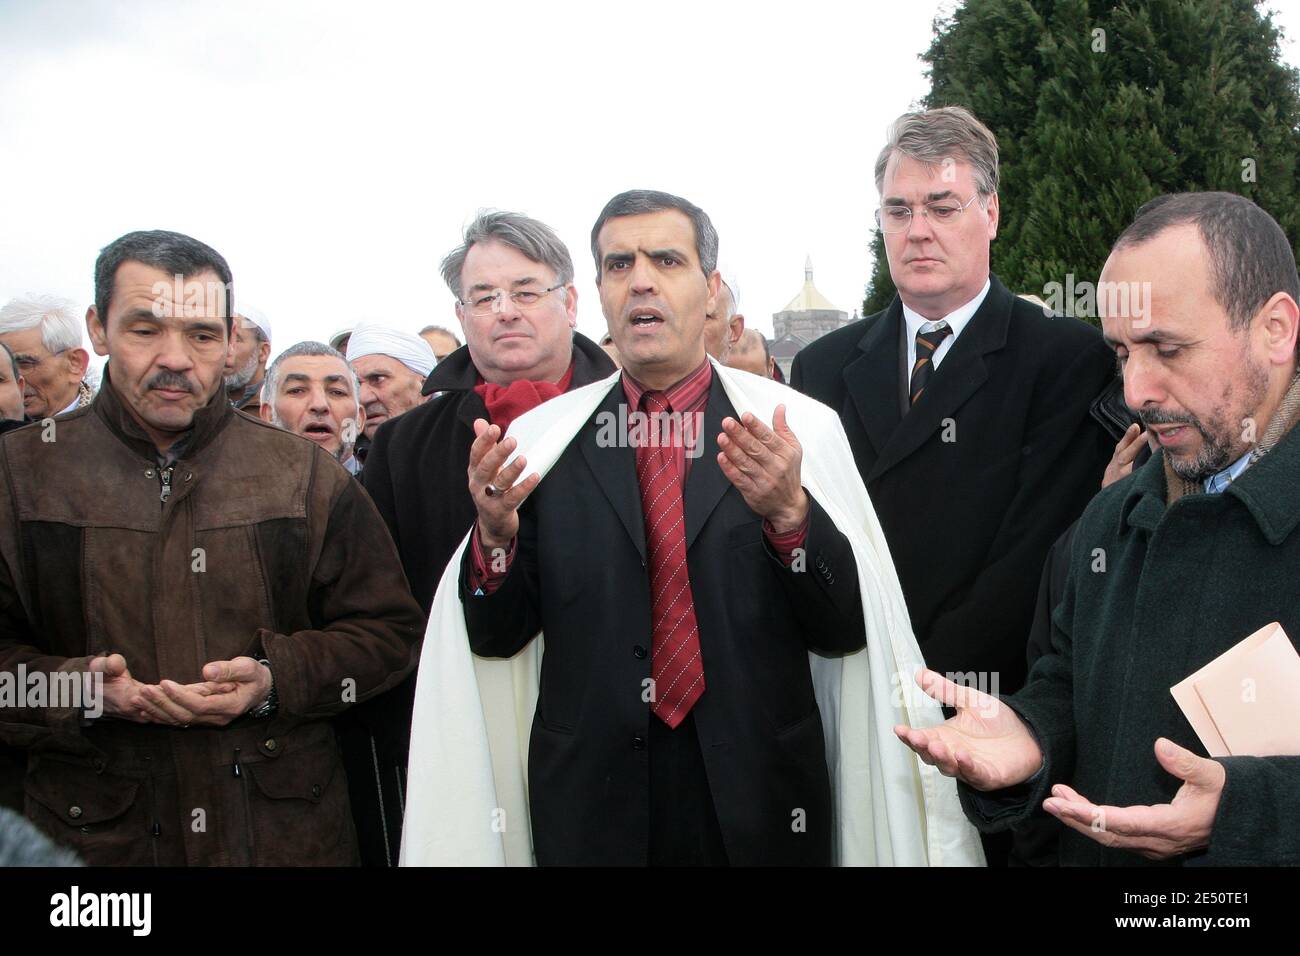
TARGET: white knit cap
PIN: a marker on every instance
(257, 317)
(411, 350)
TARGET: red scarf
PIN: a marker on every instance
(505, 403)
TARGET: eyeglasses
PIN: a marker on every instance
(488, 302)
(941, 212)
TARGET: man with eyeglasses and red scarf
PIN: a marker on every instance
(513, 282)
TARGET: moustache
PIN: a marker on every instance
(169, 380)
(1157, 416)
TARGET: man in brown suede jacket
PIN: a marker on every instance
(219, 631)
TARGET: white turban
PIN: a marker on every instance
(411, 350)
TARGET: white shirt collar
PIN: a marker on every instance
(72, 405)
(957, 319)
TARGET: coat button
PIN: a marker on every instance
(74, 812)
(271, 744)
(315, 790)
(149, 473)
(638, 743)
(638, 652)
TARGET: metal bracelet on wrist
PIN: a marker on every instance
(272, 703)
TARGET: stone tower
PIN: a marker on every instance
(806, 318)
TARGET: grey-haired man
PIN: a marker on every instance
(311, 390)
(512, 278)
(967, 408)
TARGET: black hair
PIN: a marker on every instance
(638, 202)
(172, 252)
(1250, 257)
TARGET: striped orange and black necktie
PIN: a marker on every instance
(927, 343)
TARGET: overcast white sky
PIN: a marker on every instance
(334, 151)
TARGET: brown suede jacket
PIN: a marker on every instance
(265, 546)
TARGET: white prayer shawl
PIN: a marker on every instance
(467, 791)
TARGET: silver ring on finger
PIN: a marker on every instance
(492, 490)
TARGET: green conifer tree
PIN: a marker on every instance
(1100, 105)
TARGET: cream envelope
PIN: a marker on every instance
(1246, 702)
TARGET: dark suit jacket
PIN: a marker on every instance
(416, 472)
(1035, 840)
(993, 462)
(580, 575)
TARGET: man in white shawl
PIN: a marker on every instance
(726, 644)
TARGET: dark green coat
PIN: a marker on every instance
(1181, 584)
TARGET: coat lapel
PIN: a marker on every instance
(962, 373)
(706, 484)
(615, 469)
(871, 378)
(470, 407)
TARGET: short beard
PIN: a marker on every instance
(1218, 449)
(1215, 451)
(243, 376)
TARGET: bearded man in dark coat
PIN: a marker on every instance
(1170, 567)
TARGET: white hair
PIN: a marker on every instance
(60, 320)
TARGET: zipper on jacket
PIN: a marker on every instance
(165, 481)
(248, 808)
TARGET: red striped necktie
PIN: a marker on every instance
(676, 666)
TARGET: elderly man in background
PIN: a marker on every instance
(392, 367)
(751, 354)
(724, 325)
(250, 348)
(311, 391)
(442, 341)
(513, 281)
(45, 334)
(227, 630)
